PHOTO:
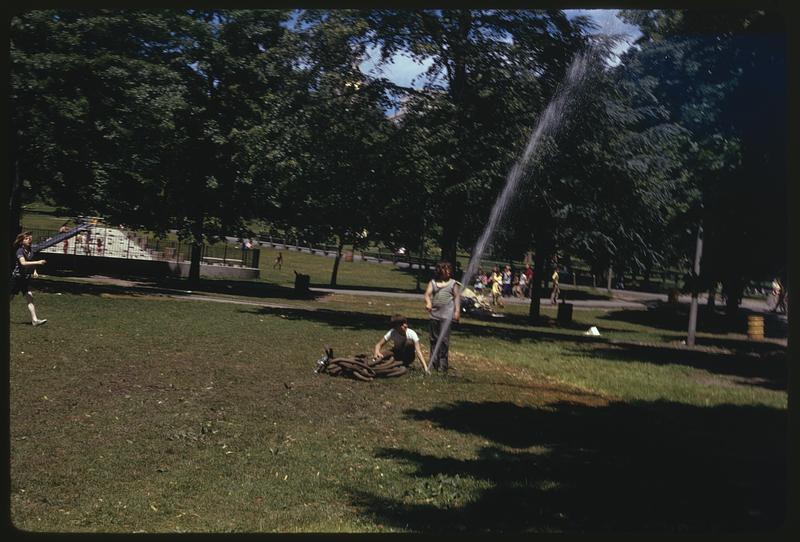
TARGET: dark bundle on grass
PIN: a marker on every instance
(361, 366)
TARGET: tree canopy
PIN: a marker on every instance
(722, 76)
(202, 120)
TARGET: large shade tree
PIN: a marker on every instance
(235, 62)
(605, 183)
(722, 75)
(491, 72)
(93, 99)
(144, 116)
(333, 136)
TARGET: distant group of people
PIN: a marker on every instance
(83, 241)
(504, 284)
(509, 283)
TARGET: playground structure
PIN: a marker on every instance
(93, 247)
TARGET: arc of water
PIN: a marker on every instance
(545, 124)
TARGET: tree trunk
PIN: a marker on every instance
(454, 204)
(194, 265)
(536, 287)
(451, 228)
(422, 257)
(197, 250)
(733, 293)
(15, 208)
(336, 261)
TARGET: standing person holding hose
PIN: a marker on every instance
(443, 303)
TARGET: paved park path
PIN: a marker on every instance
(621, 299)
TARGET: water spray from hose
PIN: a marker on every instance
(545, 125)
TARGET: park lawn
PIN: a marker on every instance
(368, 275)
(41, 217)
(356, 274)
(145, 413)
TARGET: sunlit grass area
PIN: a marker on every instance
(148, 413)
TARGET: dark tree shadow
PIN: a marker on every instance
(244, 288)
(766, 367)
(356, 320)
(338, 319)
(676, 318)
(646, 466)
(753, 364)
(150, 286)
(344, 288)
(542, 322)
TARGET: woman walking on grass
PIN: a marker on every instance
(443, 302)
(24, 270)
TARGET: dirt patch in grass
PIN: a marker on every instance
(504, 379)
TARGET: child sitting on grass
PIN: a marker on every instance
(405, 343)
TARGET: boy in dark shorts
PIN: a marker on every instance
(405, 343)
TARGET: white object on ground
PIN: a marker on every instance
(593, 331)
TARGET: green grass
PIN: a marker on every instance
(355, 274)
(42, 217)
(144, 413)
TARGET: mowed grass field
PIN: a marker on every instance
(137, 412)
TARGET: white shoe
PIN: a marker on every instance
(39, 322)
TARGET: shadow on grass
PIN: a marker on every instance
(645, 466)
(543, 322)
(346, 288)
(355, 320)
(676, 318)
(338, 319)
(151, 286)
(759, 364)
(764, 367)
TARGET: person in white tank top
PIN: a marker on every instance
(405, 343)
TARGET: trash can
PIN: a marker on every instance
(755, 327)
(301, 283)
(564, 313)
(348, 255)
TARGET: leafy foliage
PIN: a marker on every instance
(722, 76)
(491, 73)
(330, 163)
(146, 117)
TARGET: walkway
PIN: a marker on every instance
(622, 299)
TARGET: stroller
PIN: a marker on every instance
(474, 305)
